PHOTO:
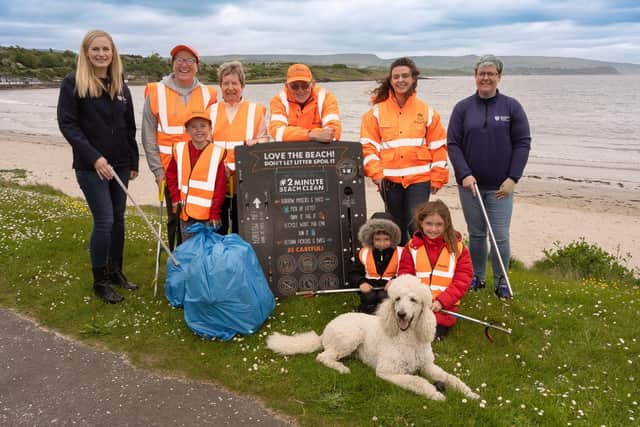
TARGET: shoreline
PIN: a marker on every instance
(546, 210)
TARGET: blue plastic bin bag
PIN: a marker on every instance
(178, 275)
(226, 292)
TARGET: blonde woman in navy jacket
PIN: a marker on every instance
(95, 115)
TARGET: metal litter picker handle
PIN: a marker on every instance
(155, 277)
(487, 325)
(310, 293)
(153, 230)
(493, 237)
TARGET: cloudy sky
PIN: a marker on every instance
(603, 30)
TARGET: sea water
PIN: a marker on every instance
(583, 127)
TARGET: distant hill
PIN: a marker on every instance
(20, 67)
(450, 65)
(37, 67)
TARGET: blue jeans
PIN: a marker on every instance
(107, 203)
(401, 203)
(499, 213)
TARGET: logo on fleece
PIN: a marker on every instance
(502, 118)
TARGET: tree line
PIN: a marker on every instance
(49, 66)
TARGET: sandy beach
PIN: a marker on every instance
(545, 210)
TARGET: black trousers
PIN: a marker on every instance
(173, 222)
(229, 215)
(369, 301)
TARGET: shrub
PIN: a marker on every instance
(580, 259)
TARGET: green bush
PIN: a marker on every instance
(580, 259)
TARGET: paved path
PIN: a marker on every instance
(46, 379)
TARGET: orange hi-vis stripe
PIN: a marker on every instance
(197, 183)
(366, 258)
(440, 276)
(170, 110)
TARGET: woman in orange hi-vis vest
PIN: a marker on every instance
(438, 258)
(235, 122)
(404, 145)
(167, 104)
(303, 111)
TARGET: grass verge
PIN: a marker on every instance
(572, 359)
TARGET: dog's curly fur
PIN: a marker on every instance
(396, 342)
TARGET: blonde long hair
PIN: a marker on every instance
(87, 83)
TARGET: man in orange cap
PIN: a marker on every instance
(303, 111)
(195, 175)
(167, 104)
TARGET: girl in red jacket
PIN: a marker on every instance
(438, 258)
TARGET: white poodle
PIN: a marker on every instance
(396, 342)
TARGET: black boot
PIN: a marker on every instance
(102, 287)
(117, 277)
(441, 332)
(368, 308)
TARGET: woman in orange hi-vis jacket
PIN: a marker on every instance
(404, 145)
(303, 111)
(235, 122)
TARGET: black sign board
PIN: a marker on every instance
(300, 205)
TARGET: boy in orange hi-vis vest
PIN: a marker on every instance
(438, 258)
(378, 260)
(195, 175)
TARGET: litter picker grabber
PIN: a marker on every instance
(155, 277)
(310, 293)
(487, 325)
(493, 239)
(153, 230)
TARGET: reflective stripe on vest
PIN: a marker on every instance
(366, 258)
(169, 133)
(438, 278)
(402, 143)
(249, 130)
(197, 195)
(163, 120)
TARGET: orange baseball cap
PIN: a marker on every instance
(189, 49)
(299, 73)
(198, 114)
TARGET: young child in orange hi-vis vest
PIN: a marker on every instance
(438, 258)
(378, 260)
(195, 175)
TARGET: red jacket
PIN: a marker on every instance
(220, 189)
(461, 277)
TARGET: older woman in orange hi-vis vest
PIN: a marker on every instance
(404, 145)
(235, 122)
(302, 111)
(167, 104)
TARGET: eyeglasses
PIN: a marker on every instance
(487, 74)
(188, 61)
(299, 86)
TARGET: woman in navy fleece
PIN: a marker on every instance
(488, 141)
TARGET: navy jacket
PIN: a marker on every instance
(98, 127)
(489, 139)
